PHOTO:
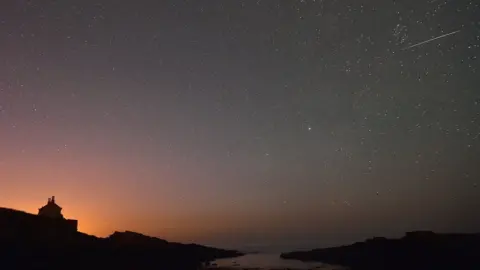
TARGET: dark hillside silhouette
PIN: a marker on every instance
(416, 250)
(30, 241)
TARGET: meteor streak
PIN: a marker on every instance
(430, 40)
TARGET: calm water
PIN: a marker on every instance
(269, 261)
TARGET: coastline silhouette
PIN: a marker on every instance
(416, 250)
(49, 241)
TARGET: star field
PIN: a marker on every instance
(236, 122)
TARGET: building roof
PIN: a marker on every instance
(51, 204)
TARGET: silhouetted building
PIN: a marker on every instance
(51, 209)
(54, 211)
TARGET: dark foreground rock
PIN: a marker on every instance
(31, 242)
(416, 250)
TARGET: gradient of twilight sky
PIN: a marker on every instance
(243, 123)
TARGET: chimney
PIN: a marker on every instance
(53, 199)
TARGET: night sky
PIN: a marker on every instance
(253, 123)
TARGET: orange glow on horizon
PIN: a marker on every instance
(100, 194)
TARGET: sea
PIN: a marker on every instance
(270, 261)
